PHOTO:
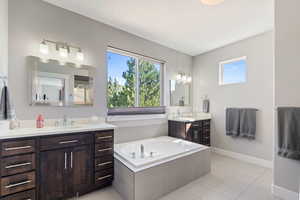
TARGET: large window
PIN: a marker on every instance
(233, 71)
(134, 84)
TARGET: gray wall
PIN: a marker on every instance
(287, 87)
(30, 21)
(3, 37)
(256, 93)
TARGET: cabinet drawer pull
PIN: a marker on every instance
(106, 163)
(68, 142)
(66, 157)
(17, 148)
(104, 177)
(101, 150)
(17, 165)
(17, 184)
(71, 165)
(104, 137)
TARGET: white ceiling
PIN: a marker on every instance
(185, 25)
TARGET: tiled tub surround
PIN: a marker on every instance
(56, 162)
(163, 172)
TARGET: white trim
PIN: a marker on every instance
(284, 193)
(120, 118)
(221, 70)
(245, 158)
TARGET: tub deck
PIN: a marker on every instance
(152, 180)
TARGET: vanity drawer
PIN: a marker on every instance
(17, 183)
(206, 123)
(28, 195)
(104, 148)
(104, 162)
(104, 176)
(17, 164)
(196, 124)
(104, 136)
(17, 147)
(56, 142)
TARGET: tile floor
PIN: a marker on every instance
(229, 179)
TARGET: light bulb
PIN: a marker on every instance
(212, 2)
(63, 52)
(189, 79)
(44, 49)
(184, 78)
(80, 56)
(178, 77)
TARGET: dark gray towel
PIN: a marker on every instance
(233, 122)
(289, 132)
(206, 106)
(248, 123)
(6, 108)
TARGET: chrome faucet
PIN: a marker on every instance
(142, 151)
(178, 113)
(65, 120)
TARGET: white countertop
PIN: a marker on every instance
(197, 117)
(34, 132)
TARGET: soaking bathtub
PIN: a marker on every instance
(148, 169)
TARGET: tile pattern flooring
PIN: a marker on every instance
(229, 179)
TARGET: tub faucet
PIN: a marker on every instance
(142, 151)
(65, 120)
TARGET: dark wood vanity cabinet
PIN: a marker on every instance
(65, 172)
(56, 167)
(197, 131)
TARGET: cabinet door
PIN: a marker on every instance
(53, 173)
(81, 165)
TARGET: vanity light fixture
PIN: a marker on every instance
(44, 49)
(183, 78)
(80, 55)
(64, 49)
(63, 52)
(178, 77)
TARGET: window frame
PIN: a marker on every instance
(136, 110)
(221, 70)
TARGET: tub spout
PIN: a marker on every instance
(142, 151)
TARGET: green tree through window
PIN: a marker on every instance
(123, 82)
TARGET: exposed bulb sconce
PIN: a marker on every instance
(63, 52)
(80, 55)
(64, 49)
(178, 77)
(183, 78)
(44, 49)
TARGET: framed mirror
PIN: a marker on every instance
(52, 84)
(179, 93)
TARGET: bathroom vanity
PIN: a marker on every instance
(56, 164)
(192, 129)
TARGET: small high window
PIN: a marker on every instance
(233, 71)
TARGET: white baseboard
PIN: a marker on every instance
(284, 193)
(245, 158)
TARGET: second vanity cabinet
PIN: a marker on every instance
(56, 167)
(197, 131)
